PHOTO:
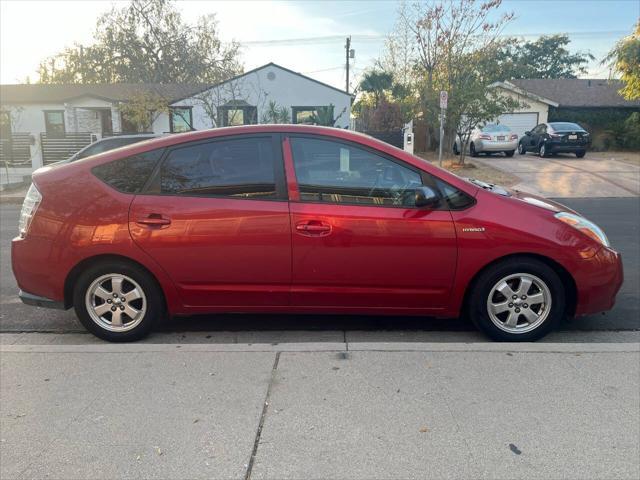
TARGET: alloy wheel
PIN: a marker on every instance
(519, 303)
(116, 302)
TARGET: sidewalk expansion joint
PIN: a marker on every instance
(263, 416)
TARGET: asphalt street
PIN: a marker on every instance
(619, 217)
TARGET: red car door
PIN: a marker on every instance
(358, 242)
(215, 217)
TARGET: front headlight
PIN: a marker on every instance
(29, 207)
(585, 226)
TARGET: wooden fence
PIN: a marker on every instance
(15, 151)
(61, 147)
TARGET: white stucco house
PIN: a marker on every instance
(40, 123)
(534, 110)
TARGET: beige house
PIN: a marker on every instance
(535, 111)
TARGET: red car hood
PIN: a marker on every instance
(540, 201)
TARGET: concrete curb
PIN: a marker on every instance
(331, 347)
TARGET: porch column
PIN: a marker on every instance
(116, 124)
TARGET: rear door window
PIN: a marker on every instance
(129, 175)
(240, 168)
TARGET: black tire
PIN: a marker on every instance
(472, 150)
(542, 150)
(521, 149)
(509, 153)
(581, 153)
(153, 300)
(482, 287)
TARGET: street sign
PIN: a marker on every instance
(444, 97)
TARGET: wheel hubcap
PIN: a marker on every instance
(116, 302)
(519, 303)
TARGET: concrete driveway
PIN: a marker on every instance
(596, 175)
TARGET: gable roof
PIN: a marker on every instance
(577, 92)
(60, 93)
(507, 85)
(270, 64)
(122, 92)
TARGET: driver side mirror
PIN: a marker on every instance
(426, 197)
(527, 133)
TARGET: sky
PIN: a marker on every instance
(306, 36)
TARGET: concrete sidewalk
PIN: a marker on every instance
(320, 410)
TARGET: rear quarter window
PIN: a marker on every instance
(128, 175)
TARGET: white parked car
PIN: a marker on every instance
(492, 138)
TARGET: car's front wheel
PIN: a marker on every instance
(581, 153)
(117, 301)
(521, 299)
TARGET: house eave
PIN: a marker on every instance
(506, 85)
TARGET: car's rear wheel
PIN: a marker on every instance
(117, 301)
(517, 300)
(509, 153)
(543, 150)
(581, 153)
(472, 150)
(521, 149)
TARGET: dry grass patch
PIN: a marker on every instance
(476, 170)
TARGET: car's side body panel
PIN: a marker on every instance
(429, 257)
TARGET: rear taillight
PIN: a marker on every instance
(514, 136)
(29, 207)
(485, 137)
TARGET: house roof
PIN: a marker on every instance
(577, 92)
(270, 64)
(173, 92)
(55, 93)
(507, 85)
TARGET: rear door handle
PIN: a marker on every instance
(154, 220)
(314, 228)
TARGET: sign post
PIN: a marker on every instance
(444, 97)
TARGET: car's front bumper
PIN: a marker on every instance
(491, 146)
(598, 282)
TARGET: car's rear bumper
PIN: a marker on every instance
(565, 148)
(598, 282)
(487, 146)
(38, 301)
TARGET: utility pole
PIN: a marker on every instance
(348, 50)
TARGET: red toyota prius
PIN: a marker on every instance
(300, 219)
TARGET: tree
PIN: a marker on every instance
(324, 116)
(146, 42)
(456, 41)
(625, 59)
(143, 109)
(275, 114)
(375, 83)
(546, 57)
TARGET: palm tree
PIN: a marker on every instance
(376, 83)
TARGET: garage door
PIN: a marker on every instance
(519, 122)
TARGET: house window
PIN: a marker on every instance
(237, 115)
(181, 119)
(304, 115)
(5, 125)
(54, 123)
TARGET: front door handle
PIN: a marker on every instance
(154, 220)
(313, 228)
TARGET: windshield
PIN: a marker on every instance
(492, 127)
(560, 126)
